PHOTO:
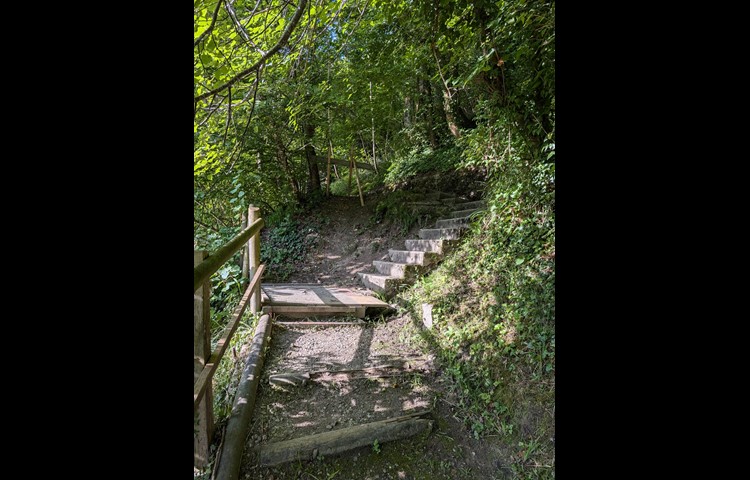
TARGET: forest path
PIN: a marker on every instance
(349, 240)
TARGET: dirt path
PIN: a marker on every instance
(348, 243)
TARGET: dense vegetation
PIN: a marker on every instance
(409, 87)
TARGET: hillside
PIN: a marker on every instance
(494, 410)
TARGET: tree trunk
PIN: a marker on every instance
(407, 111)
(313, 180)
(281, 154)
(429, 113)
(449, 117)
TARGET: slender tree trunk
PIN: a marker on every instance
(407, 112)
(372, 118)
(281, 153)
(429, 113)
(449, 117)
(313, 184)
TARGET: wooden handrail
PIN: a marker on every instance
(204, 379)
(206, 362)
(343, 163)
(205, 269)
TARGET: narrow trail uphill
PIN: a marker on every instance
(359, 374)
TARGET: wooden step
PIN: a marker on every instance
(304, 299)
(306, 310)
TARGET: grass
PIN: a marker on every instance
(227, 378)
(494, 333)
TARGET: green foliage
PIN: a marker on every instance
(421, 160)
(341, 188)
(438, 86)
(376, 446)
(227, 376)
(494, 305)
(283, 245)
(397, 209)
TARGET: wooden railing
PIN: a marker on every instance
(205, 362)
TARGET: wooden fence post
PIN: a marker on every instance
(253, 214)
(203, 421)
(245, 257)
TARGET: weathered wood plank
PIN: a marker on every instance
(344, 439)
(314, 294)
(349, 297)
(321, 324)
(311, 309)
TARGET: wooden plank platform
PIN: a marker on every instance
(306, 299)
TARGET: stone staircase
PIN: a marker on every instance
(422, 254)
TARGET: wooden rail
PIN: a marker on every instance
(206, 362)
(213, 362)
(205, 269)
(343, 163)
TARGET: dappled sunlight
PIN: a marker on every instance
(403, 152)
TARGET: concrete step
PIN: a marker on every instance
(426, 203)
(380, 283)
(462, 213)
(439, 196)
(413, 257)
(425, 245)
(397, 270)
(469, 205)
(453, 201)
(452, 223)
(440, 233)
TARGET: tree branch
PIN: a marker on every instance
(282, 41)
(229, 113)
(205, 225)
(238, 26)
(238, 149)
(210, 27)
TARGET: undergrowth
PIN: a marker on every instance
(284, 243)
(398, 209)
(227, 377)
(493, 309)
(421, 159)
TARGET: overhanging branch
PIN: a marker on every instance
(282, 41)
(210, 27)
